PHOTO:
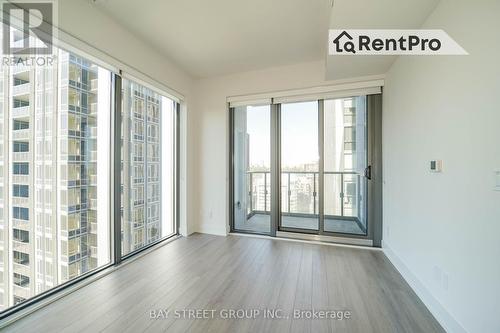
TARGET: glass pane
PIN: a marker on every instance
(252, 168)
(299, 165)
(345, 161)
(54, 174)
(148, 142)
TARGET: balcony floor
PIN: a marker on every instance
(261, 223)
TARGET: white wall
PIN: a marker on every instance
(88, 23)
(441, 230)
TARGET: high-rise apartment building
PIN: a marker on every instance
(141, 170)
(55, 169)
(48, 175)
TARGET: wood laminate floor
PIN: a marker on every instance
(235, 272)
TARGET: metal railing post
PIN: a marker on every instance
(265, 191)
(314, 193)
(341, 194)
(289, 192)
(250, 192)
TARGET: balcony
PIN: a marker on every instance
(21, 156)
(22, 291)
(93, 108)
(21, 89)
(23, 134)
(20, 69)
(92, 204)
(21, 224)
(93, 85)
(21, 179)
(21, 201)
(22, 111)
(93, 228)
(300, 201)
(93, 251)
(21, 246)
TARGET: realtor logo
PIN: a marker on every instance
(392, 42)
(28, 27)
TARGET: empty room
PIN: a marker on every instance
(250, 166)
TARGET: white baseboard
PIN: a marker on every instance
(449, 323)
(212, 230)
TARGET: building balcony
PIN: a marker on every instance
(92, 204)
(21, 224)
(21, 179)
(20, 201)
(93, 180)
(22, 291)
(21, 156)
(21, 246)
(93, 251)
(93, 109)
(300, 201)
(21, 89)
(23, 134)
(93, 85)
(93, 227)
(22, 111)
(22, 268)
(17, 69)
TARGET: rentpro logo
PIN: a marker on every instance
(392, 42)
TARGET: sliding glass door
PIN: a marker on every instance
(345, 161)
(252, 168)
(299, 166)
(302, 167)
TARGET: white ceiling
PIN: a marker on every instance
(373, 14)
(216, 37)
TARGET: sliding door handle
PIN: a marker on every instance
(368, 172)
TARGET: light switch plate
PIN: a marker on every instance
(436, 165)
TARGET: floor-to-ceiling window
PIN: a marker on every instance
(299, 166)
(318, 152)
(148, 165)
(54, 174)
(345, 160)
(58, 119)
(252, 168)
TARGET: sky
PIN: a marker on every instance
(299, 134)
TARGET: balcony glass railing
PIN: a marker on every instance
(21, 111)
(21, 89)
(300, 193)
